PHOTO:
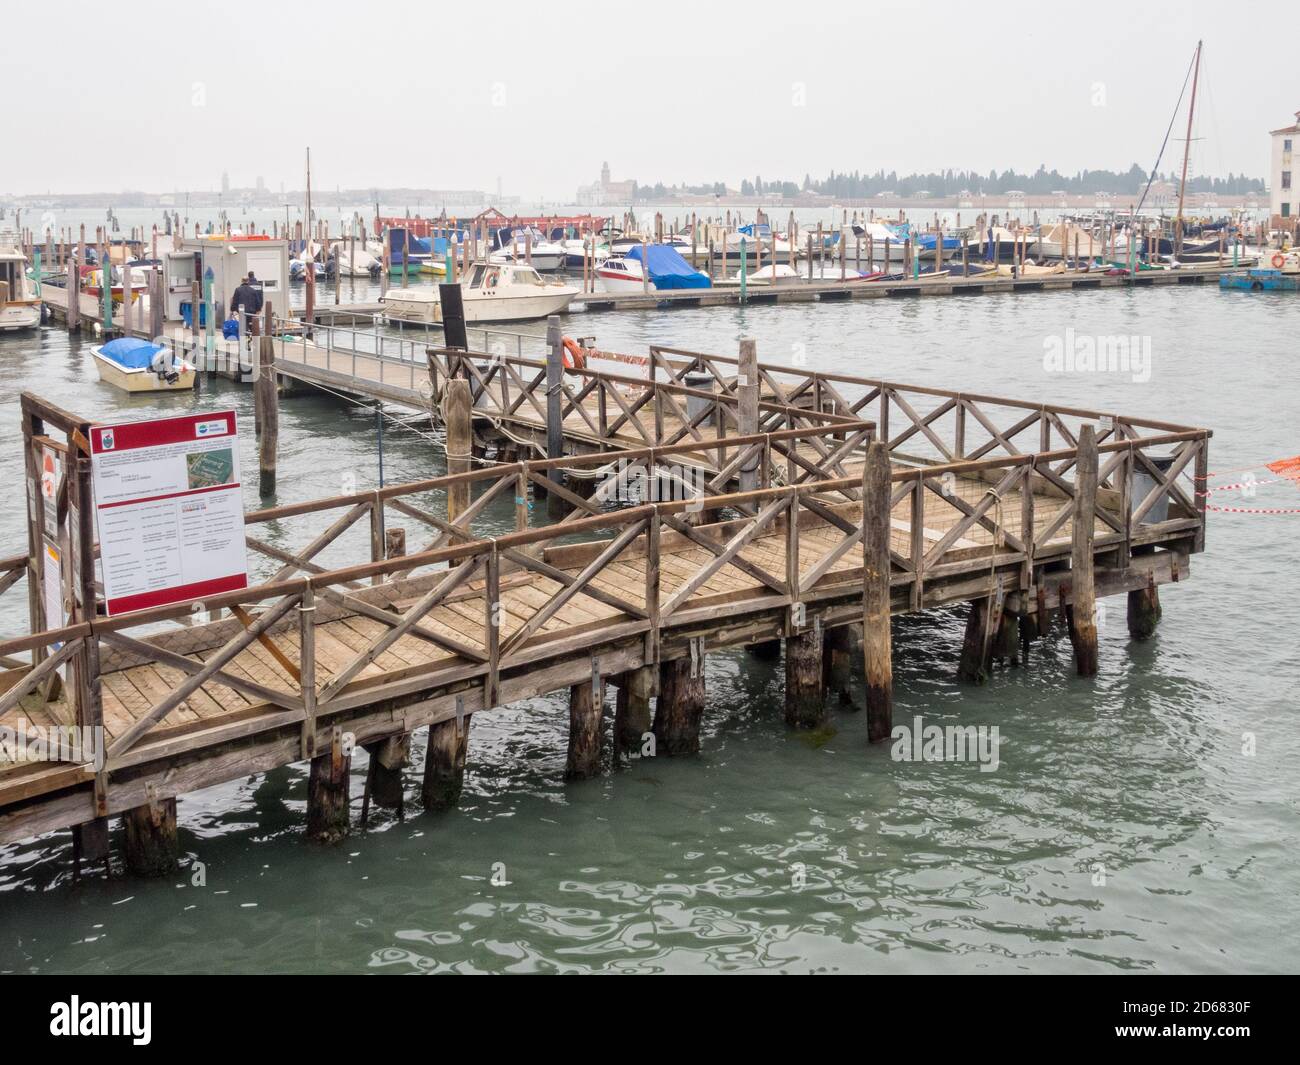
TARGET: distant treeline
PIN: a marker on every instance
(857, 185)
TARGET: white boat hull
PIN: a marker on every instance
(15, 316)
(547, 262)
(142, 380)
(614, 284)
(484, 307)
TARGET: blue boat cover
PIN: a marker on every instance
(397, 241)
(925, 241)
(668, 269)
(132, 352)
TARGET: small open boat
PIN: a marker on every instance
(135, 365)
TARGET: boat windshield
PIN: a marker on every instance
(526, 275)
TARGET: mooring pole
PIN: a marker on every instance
(876, 644)
(459, 444)
(268, 407)
(554, 421)
(1083, 615)
(680, 706)
(747, 389)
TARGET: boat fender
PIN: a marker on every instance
(1279, 260)
(574, 357)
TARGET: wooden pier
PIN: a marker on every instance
(778, 504)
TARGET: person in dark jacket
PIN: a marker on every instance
(248, 298)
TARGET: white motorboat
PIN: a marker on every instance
(353, 260)
(19, 307)
(539, 253)
(135, 365)
(625, 273)
(621, 274)
(491, 292)
(576, 251)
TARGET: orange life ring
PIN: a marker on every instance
(1279, 260)
(574, 357)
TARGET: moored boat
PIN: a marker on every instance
(490, 292)
(19, 307)
(135, 365)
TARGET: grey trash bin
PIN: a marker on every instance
(1140, 486)
(696, 404)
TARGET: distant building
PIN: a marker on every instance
(605, 192)
(225, 183)
(1284, 205)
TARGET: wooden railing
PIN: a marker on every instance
(996, 519)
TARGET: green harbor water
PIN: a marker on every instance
(1125, 828)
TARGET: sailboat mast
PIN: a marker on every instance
(1187, 148)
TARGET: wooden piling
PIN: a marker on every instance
(1083, 611)
(632, 713)
(267, 400)
(1144, 611)
(876, 641)
(554, 421)
(152, 846)
(460, 440)
(679, 706)
(747, 390)
(444, 763)
(327, 792)
(585, 705)
(73, 290)
(973, 666)
(838, 646)
(805, 698)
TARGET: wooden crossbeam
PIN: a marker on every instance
(47, 666)
(155, 652)
(566, 579)
(385, 640)
(214, 665)
(761, 521)
(696, 536)
(579, 583)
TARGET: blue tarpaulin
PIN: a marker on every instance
(668, 269)
(131, 352)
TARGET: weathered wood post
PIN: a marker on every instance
(976, 644)
(838, 646)
(805, 698)
(680, 705)
(1083, 613)
(157, 300)
(747, 389)
(444, 763)
(586, 702)
(390, 755)
(554, 422)
(73, 312)
(267, 400)
(459, 444)
(152, 846)
(327, 791)
(632, 714)
(876, 642)
(1144, 611)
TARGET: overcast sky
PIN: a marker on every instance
(539, 93)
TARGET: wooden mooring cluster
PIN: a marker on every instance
(714, 503)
